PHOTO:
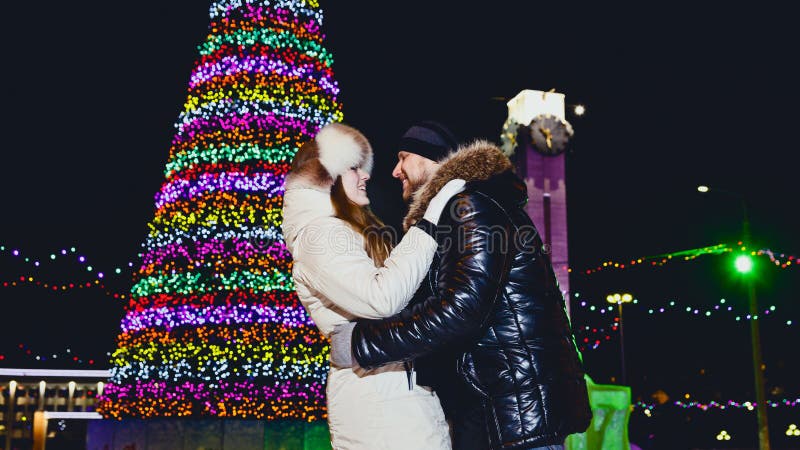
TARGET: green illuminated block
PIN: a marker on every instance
(611, 409)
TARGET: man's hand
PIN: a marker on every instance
(341, 350)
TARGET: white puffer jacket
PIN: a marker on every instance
(338, 282)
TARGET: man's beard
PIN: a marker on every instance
(408, 194)
(414, 185)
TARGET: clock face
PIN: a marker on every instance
(550, 134)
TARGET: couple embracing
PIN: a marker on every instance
(455, 337)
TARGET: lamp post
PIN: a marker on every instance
(11, 412)
(619, 299)
(744, 264)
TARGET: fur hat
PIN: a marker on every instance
(333, 151)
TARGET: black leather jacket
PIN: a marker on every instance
(497, 309)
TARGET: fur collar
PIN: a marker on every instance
(477, 161)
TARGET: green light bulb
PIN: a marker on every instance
(743, 263)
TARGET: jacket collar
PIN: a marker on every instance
(475, 163)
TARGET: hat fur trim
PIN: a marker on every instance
(340, 149)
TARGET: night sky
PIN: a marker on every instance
(676, 96)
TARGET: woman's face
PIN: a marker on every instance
(355, 186)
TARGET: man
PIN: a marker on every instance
(488, 329)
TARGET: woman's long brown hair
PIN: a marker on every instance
(377, 237)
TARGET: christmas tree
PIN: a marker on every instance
(213, 327)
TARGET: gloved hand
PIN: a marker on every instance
(341, 350)
(439, 201)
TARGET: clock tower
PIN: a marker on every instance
(539, 133)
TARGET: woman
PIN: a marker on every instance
(345, 269)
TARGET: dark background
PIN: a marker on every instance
(676, 95)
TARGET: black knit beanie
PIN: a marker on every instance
(429, 139)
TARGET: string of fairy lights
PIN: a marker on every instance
(591, 337)
(169, 252)
(30, 281)
(175, 257)
(70, 254)
(722, 307)
(779, 260)
(66, 356)
(730, 404)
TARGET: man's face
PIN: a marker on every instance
(413, 171)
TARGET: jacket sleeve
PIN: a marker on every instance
(335, 264)
(472, 271)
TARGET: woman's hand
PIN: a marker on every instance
(439, 201)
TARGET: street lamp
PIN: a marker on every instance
(619, 299)
(744, 265)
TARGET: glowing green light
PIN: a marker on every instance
(743, 263)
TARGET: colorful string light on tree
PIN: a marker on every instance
(213, 326)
